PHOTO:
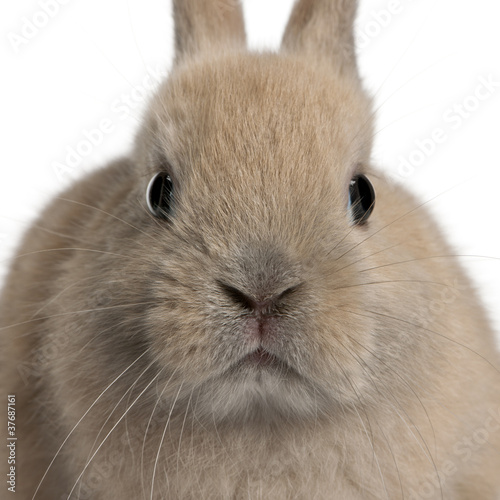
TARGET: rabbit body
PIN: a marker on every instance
(128, 339)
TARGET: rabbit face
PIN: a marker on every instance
(261, 153)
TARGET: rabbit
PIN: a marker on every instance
(244, 307)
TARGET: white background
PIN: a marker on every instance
(81, 64)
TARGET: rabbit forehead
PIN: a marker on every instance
(257, 113)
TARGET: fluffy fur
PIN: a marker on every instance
(124, 348)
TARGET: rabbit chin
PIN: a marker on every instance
(271, 394)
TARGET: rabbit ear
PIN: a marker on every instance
(323, 29)
(205, 25)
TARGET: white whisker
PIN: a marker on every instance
(161, 443)
(109, 433)
(82, 417)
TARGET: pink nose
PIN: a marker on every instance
(261, 327)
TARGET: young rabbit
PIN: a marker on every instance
(244, 309)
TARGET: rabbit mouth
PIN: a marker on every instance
(262, 358)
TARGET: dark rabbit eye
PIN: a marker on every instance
(159, 195)
(361, 198)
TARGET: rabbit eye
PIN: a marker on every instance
(159, 195)
(361, 198)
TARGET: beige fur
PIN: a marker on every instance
(120, 343)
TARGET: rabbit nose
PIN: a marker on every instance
(261, 306)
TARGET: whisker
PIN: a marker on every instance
(367, 257)
(465, 423)
(135, 36)
(182, 430)
(419, 30)
(375, 112)
(129, 390)
(397, 120)
(369, 436)
(106, 213)
(161, 442)
(392, 281)
(430, 257)
(58, 295)
(353, 227)
(427, 451)
(75, 249)
(400, 377)
(112, 429)
(82, 311)
(29, 224)
(361, 363)
(398, 219)
(367, 122)
(149, 424)
(114, 326)
(342, 240)
(430, 331)
(82, 417)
